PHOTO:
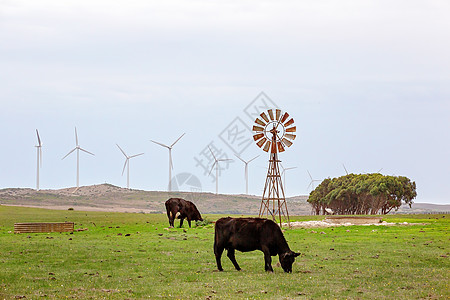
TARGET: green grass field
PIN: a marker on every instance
(135, 256)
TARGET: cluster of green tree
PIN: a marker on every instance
(362, 194)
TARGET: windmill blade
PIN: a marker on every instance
(258, 121)
(212, 153)
(261, 142)
(136, 155)
(277, 114)
(160, 144)
(124, 166)
(271, 114)
(76, 136)
(86, 151)
(258, 136)
(177, 140)
(290, 122)
(253, 159)
(264, 116)
(122, 151)
(257, 128)
(69, 153)
(280, 147)
(212, 167)
(284, 117)
(290, 136)
(286, 142)
(39, 139)
(292, 129)
(267, 146)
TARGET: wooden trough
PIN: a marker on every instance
(353, 220)
(43, 227)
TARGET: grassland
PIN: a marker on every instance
(135, 256)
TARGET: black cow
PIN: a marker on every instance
(186, 209)
(248, 234)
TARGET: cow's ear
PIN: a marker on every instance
(296, 254)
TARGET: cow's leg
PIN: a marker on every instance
(181, 222)
(189, 222)
(218, 250)
(171, 216)
(267, 259)
(230, 254)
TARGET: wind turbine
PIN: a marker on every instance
(246, 171)
(39, 159)
(78, 148)
(216, 163)
(283, 173)
(127, 164)
(311, 184)
(170, 158)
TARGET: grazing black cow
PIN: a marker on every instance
(249, 234)
(186, 209)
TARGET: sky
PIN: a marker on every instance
(367, 83)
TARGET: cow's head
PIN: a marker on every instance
(197, 216)
(287, 259)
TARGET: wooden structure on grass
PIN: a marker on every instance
(43, 227)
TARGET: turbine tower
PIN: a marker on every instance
(78, 148)
(127, 164)
(216, 163)
(170, 158)
(246, 171)
(39, 159)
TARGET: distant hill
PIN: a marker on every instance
(107, 197)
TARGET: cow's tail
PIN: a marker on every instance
(168, 210)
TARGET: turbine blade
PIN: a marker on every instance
(292, 129)
(290, 136)
(39, 139)
(284, 117)
(280, 147)
(345, 169)
(122, 151)
(177, 140)
(76, 136)
(253, 159)
(224, 159)
(136, 155)
(277, 114)
(212, 168)
(267, 146)
(87, 151)
(69, 153)
(160, 144)
(309, 175)
(287, 142)
(212, 154)
(126, 161)
(261, 142)
(258, 136)
(241, 159)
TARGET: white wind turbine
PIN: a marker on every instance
(170, 158)
(246, 171)
(39, 159)
(127, 164)
(216, 163)
(311, 184)
(78, 148)
(283, 173)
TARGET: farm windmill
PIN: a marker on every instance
(39, 159)
(273, 134)
(170, 158)
(246, 171)
(78, 148)
(216, 164)
(127, 164)
(311, 184)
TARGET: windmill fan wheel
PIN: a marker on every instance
(274, 131)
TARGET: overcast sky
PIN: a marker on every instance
(367, 82)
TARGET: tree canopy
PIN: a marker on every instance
(362, 194)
